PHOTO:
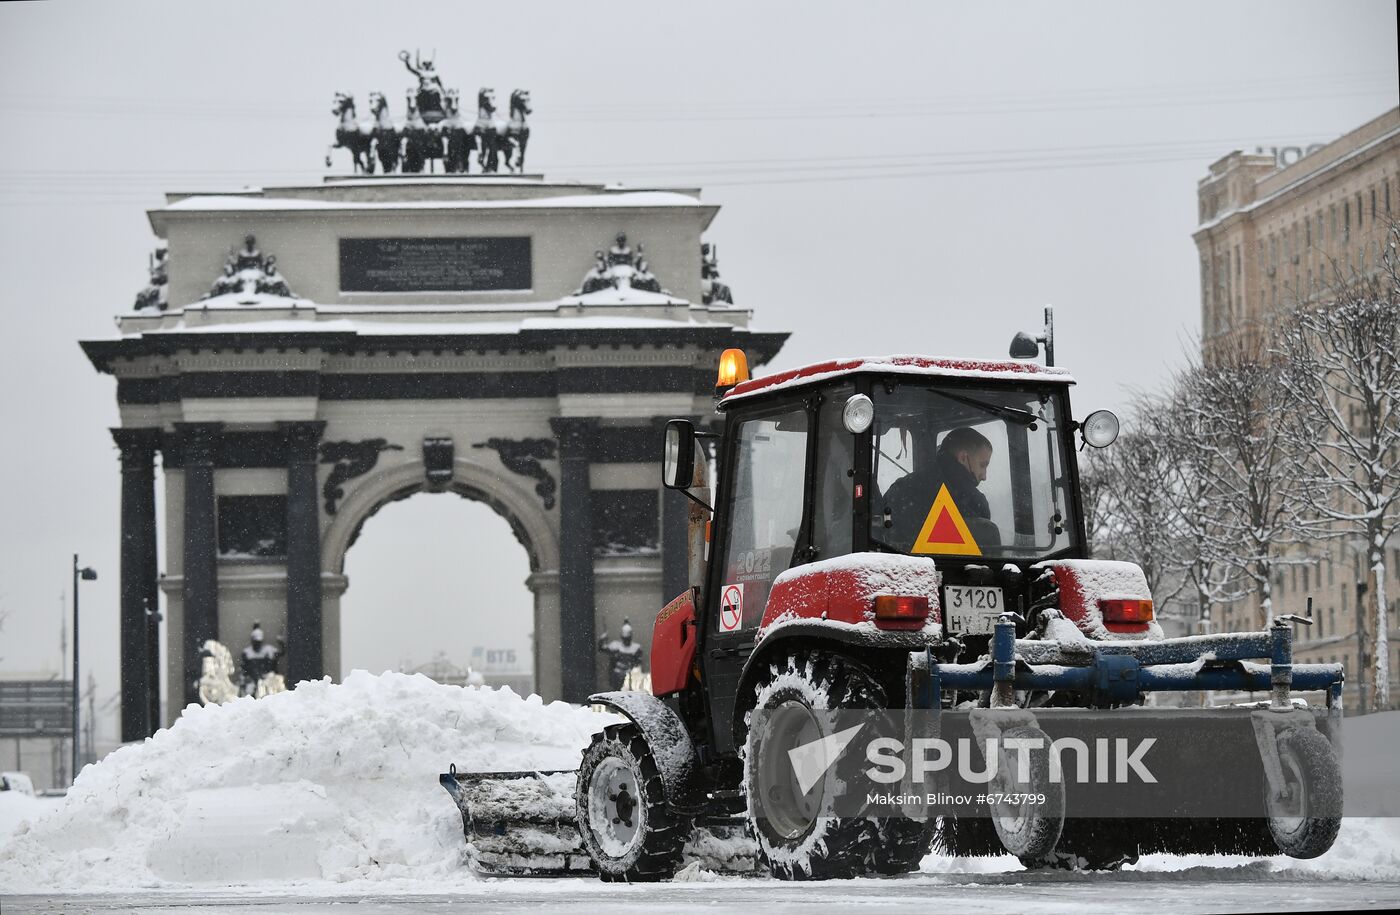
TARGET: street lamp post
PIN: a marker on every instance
(80, 573)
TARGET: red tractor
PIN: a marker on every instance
(886, 534)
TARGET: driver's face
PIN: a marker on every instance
(977, 462)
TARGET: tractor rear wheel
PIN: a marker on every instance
(797, 834)
(626, 825)
(1313, 782)
(1027, 830)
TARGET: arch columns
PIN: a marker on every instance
(139, 641)
(577, 634)
(306, 654)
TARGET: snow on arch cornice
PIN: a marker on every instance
(900, 364)
(242, 202)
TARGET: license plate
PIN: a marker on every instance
(972, 610)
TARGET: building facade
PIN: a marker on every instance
(307, 354)
(1268, 239)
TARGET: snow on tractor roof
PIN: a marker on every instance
(909, 365)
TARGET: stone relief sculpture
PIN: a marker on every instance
(523, 456)
(349, 460)
(711, 289)
(248, 271)
(157, 292)
(621, 267)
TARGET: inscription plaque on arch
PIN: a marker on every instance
(482, 264)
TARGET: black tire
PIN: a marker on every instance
(903, 844)
(1029, 831)
(1313, 777)
(626, 825)
(795, 841)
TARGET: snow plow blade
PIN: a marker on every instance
(520, 824)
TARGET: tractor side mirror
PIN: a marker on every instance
(678, 461)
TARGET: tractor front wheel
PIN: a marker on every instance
(626, 825)
(798, 833)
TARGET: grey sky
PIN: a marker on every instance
(894, 177)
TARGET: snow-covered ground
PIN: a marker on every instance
(331, 791)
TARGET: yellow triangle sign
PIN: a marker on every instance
(944, 529)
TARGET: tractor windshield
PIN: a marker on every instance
(974, 472)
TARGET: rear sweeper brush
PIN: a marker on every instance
(895, 641)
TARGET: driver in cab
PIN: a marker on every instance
(960, 463)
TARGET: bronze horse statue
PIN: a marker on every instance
(386, 136)
(421, 143)
(458, 135)
(352, 135)
(489, 132)
(517, 130)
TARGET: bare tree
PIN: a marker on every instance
(1094, 476)
(1134, 519)
(1190, 468)
(1237, 405)
(1343, 357)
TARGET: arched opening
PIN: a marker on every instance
(438, 585)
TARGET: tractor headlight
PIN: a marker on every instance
(858, 414)
(1100, 429)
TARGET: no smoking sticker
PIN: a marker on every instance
(731, 608)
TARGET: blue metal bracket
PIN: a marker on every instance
(1116, 680)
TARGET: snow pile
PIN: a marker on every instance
(333, 782)
(16, 807)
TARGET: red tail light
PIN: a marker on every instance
(1126, 610)
(900, 611)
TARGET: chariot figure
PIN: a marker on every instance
(430, 90)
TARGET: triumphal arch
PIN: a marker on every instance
(306, 354)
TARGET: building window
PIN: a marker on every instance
(1346, 220)
(1359, 212)
(1373, 204)
(1307, 233)
(1332, 222)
